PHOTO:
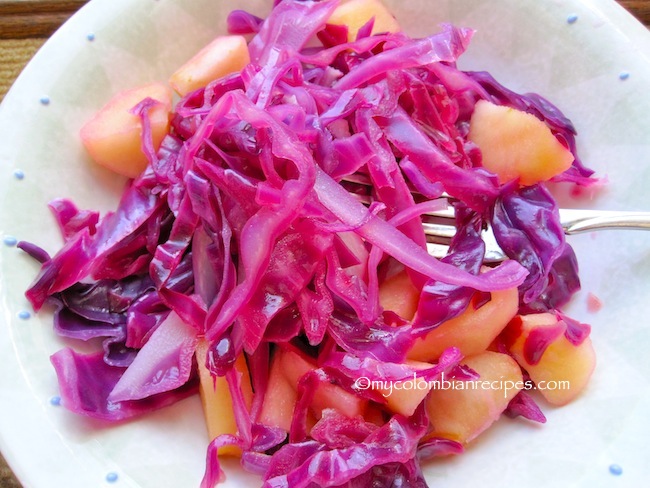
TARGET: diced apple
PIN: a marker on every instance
(399, 295)
(354, 14)
(353, 250)
(375, 414)
(217, 401)
(223, 56)
(296, 365)
(515, 144)
(113, 137)
(279, 399)
(560, 369)
(472, 331)
(405, 396)
(462, 414)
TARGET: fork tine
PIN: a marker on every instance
(437, 250)
(442, 231)
(358, 178)
(438, 244)
(439, 226)
(439, 230)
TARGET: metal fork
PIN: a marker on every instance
(439, 226)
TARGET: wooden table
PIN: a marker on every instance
(26, 24)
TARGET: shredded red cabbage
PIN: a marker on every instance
(240, 232)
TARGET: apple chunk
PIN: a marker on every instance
(405, 396)
(295, 365)
(399, 295)
(559, 368)
(279, 399)
(354, 14)
(113, 137)
(217, 401)
(223, 56)
(516, 144)
(472, 331)
(461, 414)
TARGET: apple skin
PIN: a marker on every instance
(113, 136)
(517, 145)
(539, 344)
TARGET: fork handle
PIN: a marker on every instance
(577, 221)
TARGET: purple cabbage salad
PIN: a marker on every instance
(241, 235)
